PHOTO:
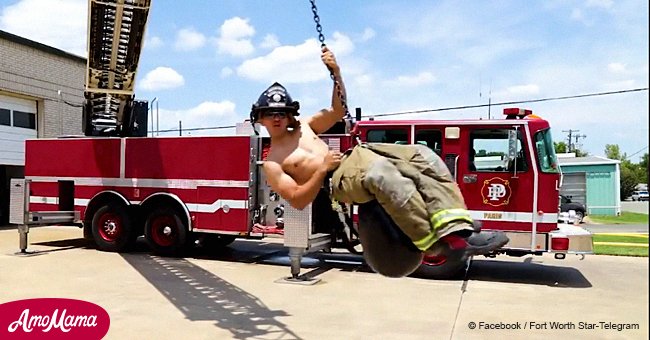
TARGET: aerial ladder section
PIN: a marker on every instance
(115, 36)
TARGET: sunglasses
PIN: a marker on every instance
(273, 114)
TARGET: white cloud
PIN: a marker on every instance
(576, 14)
(517, 92)
(599, 3)
(368, 34)
(234, 37)
(206, 114)
(340, 44)
(616, 68)
(288, 64)
(153, 42)
(226, 72)
(188, 39)
(422, 78)
(57, 23)
(523, 90)
(621, 84)
(270, 41)
(294, 64)
(162, 78)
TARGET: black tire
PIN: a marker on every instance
(165, 232)
(441, 268)
(580, 216)
(386, 249)
(112, 229)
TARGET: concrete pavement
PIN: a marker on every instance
(232, 294)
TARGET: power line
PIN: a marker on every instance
(203, 128)
(511, 103)
(464, 107)
(638, 151)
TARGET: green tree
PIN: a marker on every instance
(631, 174)
(561, 147)
(612, 151)
(643, 164)
(580, 153)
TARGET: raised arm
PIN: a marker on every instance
(326, 118)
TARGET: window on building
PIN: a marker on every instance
(24, 120)
(394, 136)
(5, 117)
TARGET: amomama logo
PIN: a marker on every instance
(52, 318)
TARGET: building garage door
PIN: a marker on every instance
(17, 123)
(574, 185)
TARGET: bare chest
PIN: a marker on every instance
(305, 158)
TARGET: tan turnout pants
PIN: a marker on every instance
(411, 183)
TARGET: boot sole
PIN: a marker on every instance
(499, 241)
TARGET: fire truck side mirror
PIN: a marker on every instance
(512, 147)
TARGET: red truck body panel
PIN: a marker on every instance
(205, 173)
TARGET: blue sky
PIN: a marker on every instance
(207, 61)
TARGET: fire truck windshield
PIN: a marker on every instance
(546, 151)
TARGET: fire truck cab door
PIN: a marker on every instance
(495, 175)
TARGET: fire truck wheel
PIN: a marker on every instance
(111, 228)
(441, 267)
(165, 232)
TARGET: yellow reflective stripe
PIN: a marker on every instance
(426, 242)
(440, 219)
(447, 215)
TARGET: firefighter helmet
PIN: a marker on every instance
(274, 98)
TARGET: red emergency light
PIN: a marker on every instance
(515, 111)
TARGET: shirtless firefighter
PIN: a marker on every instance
(410, 183)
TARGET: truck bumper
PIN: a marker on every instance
(580, 241)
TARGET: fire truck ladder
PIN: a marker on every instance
(115, 36)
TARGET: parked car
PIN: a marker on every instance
(566, 204)
(640, 196)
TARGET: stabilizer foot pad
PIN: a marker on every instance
(28, 253)
(300, 280)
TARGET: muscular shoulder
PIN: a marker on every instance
(271, 166)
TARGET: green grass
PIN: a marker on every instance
(621, 250)
(638, 238)
(625, 218)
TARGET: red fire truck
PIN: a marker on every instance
(179, 190)
(117, 184)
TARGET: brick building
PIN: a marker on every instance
(41, 91)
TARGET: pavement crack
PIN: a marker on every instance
(463, 289)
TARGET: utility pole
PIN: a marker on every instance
(577, 137)
(570, 139)
(573, 134)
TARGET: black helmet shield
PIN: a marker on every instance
(274, 98)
